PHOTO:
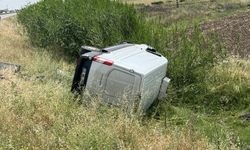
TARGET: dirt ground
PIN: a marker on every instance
(234, 31)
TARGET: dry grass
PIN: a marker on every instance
(173, 1)
(14, 47)
(235, 1)
(232, 72)
(38, 115)
(236, 68)
(191, 11)
(38, 112)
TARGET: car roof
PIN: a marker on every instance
(134, 57)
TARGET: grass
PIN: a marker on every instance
(38, 111)
(191, 57)
(70, 24)
(190, 11)
(185, 1)
(207, 95)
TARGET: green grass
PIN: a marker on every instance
(194, 11)
(221, 106)
(191, 55)
(69, 24)
(208, 90)
(37, 111)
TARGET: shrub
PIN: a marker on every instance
(66, 25)
(71, 23)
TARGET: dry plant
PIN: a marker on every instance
(40, 113)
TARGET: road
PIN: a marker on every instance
(4, 16)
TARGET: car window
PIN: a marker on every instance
(119, 83)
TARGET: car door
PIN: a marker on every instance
(81, 74)
(121, 87)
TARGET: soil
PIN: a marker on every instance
(234, 31)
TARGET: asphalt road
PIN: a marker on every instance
(4, 16)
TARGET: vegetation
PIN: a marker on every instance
(191, 57)
(208, 92)
(70, 24)
(191, 10)
(37, 110)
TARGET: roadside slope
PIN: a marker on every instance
(37, 111)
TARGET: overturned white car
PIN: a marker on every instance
(122, 73)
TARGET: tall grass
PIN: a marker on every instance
(66, 25)
(38, 112)
(43, 115)
(69, 24)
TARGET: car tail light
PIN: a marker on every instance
(103, 60)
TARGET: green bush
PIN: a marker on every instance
(71, 23)
(201, 80)
(192, 57)
(66, 25)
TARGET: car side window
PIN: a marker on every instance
(119, 84)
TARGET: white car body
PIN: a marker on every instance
(125, 73)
